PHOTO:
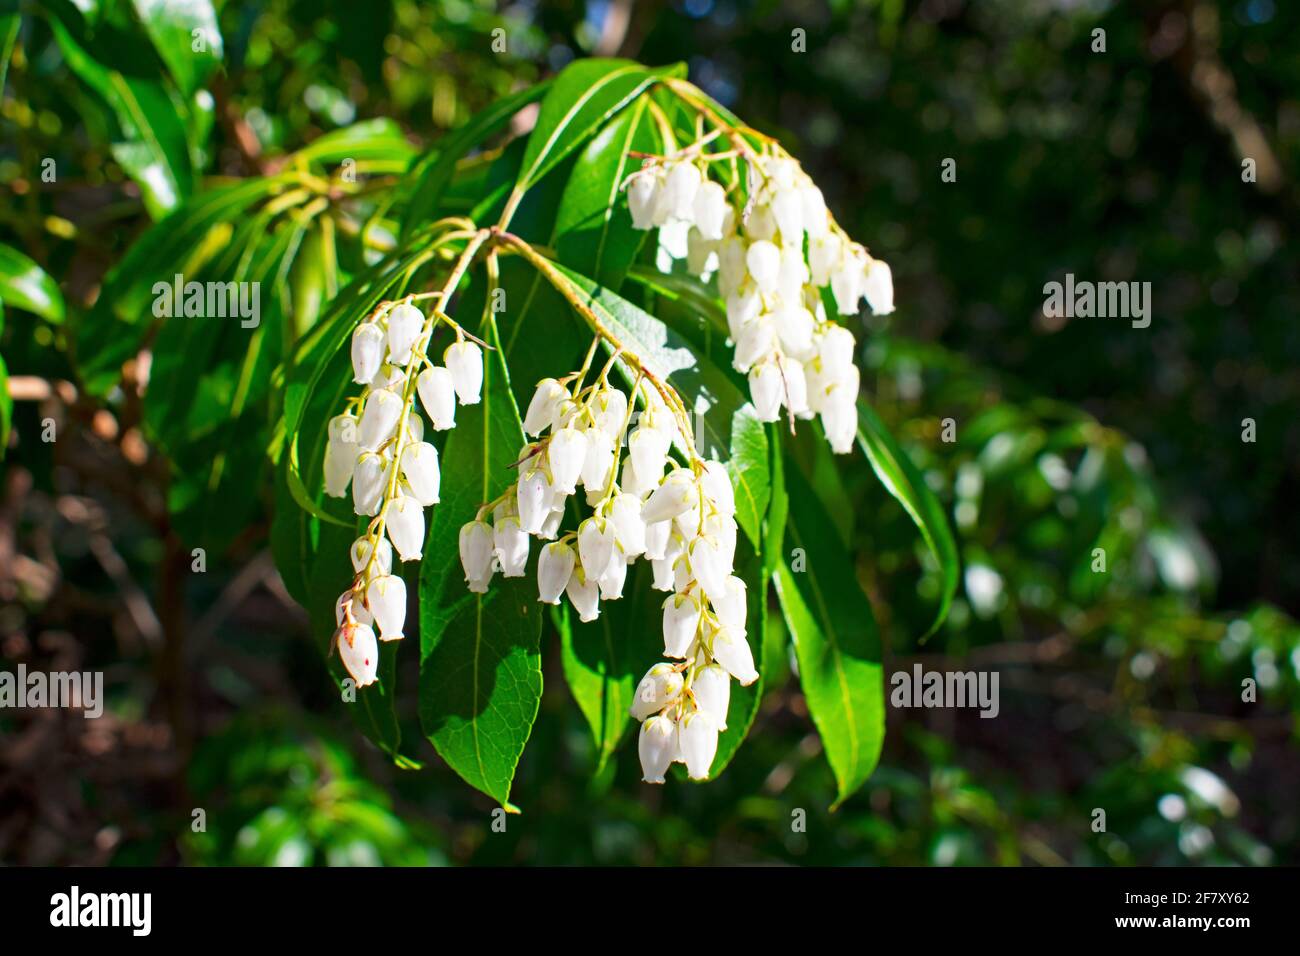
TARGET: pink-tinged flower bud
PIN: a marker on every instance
(681, 621)
(712, 689)
(565, 454)
(661, 685)
(676, 493)
(369, 480)
(710, 209)
(697, 739)
(405, 322)
(657, 747)
(816, 220)
(386, 598)
(584, 594)
(554, 568)
(787, 208)
(533, 496)
(733, 608)
(420, 469)
(731, 650)
(794, 327)
(598, 462)
(511, 544)
(359, 652)
(642, 195)
(765, 388)
(878, 287)
(476, 543)
(438, 396)
(367, 352)
(361, 555)
(406, 527)
(615, 576)
(464, 361)
(544, 407)
(340, 455)
(595, 546)
(680, 188)
(763, 260)
(824, 257)
(629, 529)
(350, 601)
(379, 419)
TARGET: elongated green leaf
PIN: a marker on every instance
(25, 285)
(836, 640)
(6, 407)
(593, 228)
(186, 36)
(902, 480)
(480, 658)
(376, 141)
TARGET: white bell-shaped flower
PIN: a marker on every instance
(657, 747)
(648, 449)
(438, 395)
(598, 463)
(369, 480)
(348, 601)
(629, 529)
(816, 219)
(676, 493)
(787, 208)
(476, 542)
(661, 685)
(405, 521)
(386, 599)
(878, 287)
(697, 736)
(359, 652)
(615, 576)
(584, 594)
(609, 405)
(664, 579)
(699, 253)
(731, 650)
(379, 419)
(595, 545)
(533, 494)
(732, 607)
(765, 388)
(642, 195)
(763, 260)
(420, 469)
(731, 265)
(796, 386)
(511, 544)
(551, 526)
(836, 348)
(391, 377)
(544, 407)
(554, 567)
(840, 422)
(361, 555)
(414, 428)
(405, 322)
(465, 362)
(681, 621)
(367, 352)
(757, 341)
(340, 455)
(794, 328)
(716, 484)
(680, 188)
(824, 257)
(712, 690)
(710, 209)
(847, 281)
(565, 454)
(761, 224)
(709, 568)
(657, 536)
(744, 305)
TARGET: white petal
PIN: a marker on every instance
(405, 322)
(697, 736)
(712, 689)
(554, 567)
(465, 362)
(732, 652)
(660, 686)
(657, 747)
(359, 652)
(681, 621)
(386, 599)
(367, 352)
(420, 469)
(438, 395)
(406, 527)
(511, 544)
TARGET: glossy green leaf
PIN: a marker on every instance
(25, 285)
(186, 35)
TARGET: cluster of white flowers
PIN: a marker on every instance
(773, 256)
(643, 503)
(393, 471)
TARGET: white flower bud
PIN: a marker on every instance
(716, 483)
(405, 522)
(761, 224)
(405, 322)
(610, 408)
(840, 421)
(708, 565)
(420, 469)
(732, 608)
(712, 689)
(664, 578)
(794, 327)
(763, 261)
(787, 209)
(836, 348)
(744, 305)
(379, 419)
(697, 739)
(648, 449)
(823, 257)
(878, 287)
(816, 220)
(438, 395)
(348, 600)
(765, 387)
(681, 621)
(476, 542)
(595, 546)
(698, 252)
(554, 567)
(657, 536)
(565, 454)
(679, 191)
(676, 493)
(598, 462)
(642, 196)
(757, 341)
(615, 576)
(367, 352)
(629, 529)
(731, 264)
(731, 650)
(368, 483)
(511, 544)
(386, 599)
(584, 594)
(359, 652)
(661, 685)
(544, 406)
(551, 526)
(657, 747)
(796, 386)
(710, 209)
(340, 455)
(464, 361)
(361, 555)
(534, 499)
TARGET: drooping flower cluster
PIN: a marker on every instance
(377, 446)
(774, 247)
(643, 504)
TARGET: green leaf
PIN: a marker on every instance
(480, 656)
(6, 407)
(836, 641)
(25, 285)
(378, 141)
(171, 25)
(902, 480)
(593, 229)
